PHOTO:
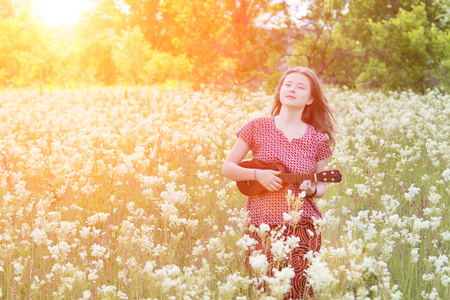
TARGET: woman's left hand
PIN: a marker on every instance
(307, 187)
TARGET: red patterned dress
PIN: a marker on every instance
(270, 145)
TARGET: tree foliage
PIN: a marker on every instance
(408, 52)
(323, 45)
(375, 43)
(359, 43)
(27, 49)
(221, 38)
(138, 63)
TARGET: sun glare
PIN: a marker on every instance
(57, 13)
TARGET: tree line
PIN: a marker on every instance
(396, 45)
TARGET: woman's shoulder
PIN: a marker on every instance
(261, 120)
(318, 135)
(256, 124)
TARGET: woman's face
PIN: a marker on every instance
(296, 91)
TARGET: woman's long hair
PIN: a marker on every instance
(318, 113)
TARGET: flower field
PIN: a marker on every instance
(116, 193)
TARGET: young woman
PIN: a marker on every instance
(299, 134)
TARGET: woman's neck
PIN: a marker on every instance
(289, 117)
(291, 124)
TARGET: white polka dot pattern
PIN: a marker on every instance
(270, 145)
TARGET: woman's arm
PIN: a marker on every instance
(308, 187)
(230, 169)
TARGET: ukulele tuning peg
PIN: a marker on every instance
(325, 179)
(332, 179)
(324, 173)
(332, 172)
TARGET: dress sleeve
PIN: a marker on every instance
(247, 132)
(323, 149)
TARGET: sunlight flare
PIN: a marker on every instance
(57, 13)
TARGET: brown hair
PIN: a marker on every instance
(318, 113)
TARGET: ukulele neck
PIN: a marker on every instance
(297, 178)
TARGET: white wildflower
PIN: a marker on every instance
(286, 274)
(446, 175)
(84, 232)
(420, 224)
(287, 217)
(198, 250)
(292, 241)
(279, 250)
(412, 192)
(39, 236)
(446, 236)
(99, 217)
(435, 222)
(98, 251)
(149, 266)
(264, 227)
(440, 262)
(203, 176)
(434, 197)
(259, 263)
(319, 273)
(246, 241)
(279, 284)
(87, 295)
(169, 283)
(445, 280)
(434, 294)
(130, 206)
(428, 277)
(92, 274)
(170, 270)
(230, 230)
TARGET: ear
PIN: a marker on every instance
(310, 101)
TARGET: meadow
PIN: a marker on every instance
(116, 193)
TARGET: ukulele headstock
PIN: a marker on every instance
(329, 176)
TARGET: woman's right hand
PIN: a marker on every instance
(269, 179)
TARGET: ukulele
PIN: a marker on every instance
(253, 187)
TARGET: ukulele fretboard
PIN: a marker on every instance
(297, 178)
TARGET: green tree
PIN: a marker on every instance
(27, 48)
(223, 39)
(138, 63)
(147, 14)
(323, 45)
(405, 42)
(376, 43)
(95, 38)
(6, 8)
(408, 52)
(130, 54)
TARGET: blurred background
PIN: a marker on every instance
(393, 45)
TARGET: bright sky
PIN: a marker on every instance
(57, 13)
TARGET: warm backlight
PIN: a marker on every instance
(57, 13)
